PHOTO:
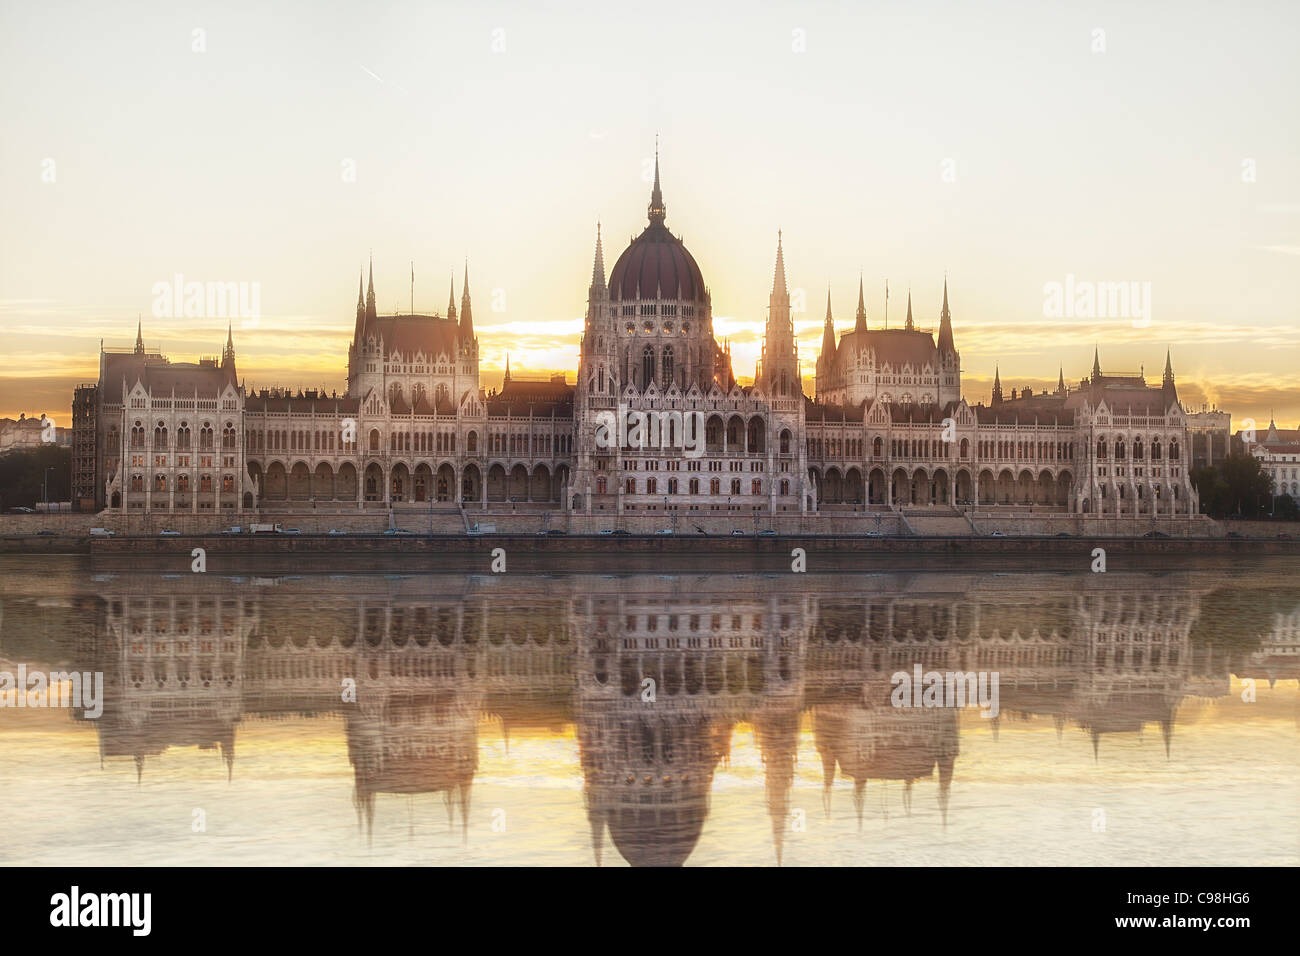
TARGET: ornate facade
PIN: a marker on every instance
(656, 424)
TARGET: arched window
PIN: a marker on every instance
(1101, 448)
(471, 443)
(160, 436)
(1155, 449)
(647, 366)
(1137, 449)
(1119, 449)
(668, 365)
(1173, 449)
(374, 439)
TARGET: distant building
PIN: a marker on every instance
(1278, 452)
(23, 433)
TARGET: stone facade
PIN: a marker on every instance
(656, 426)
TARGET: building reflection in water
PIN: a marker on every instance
(656, 672)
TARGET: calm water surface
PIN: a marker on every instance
(1146, 717)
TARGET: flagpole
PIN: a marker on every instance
(412, 287)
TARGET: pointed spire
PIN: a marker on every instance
(656, 209)
(945, 323)
(778, 276)
(1169, 369)
(1060, 382)
(139, 336)
(228, 354)
(997, 385)
(451, 298)
(828, 331)
(466, 318)
(1096, 365)
(598, 266)
(860, 325)
(908, 326)
(506, 381)
(371, 312)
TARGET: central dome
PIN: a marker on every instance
(656, 265)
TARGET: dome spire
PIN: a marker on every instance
(656, 209)
(451, 298)
(909, 325)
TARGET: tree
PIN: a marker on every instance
(22, 473)
(1238, 485)
(1285, 507)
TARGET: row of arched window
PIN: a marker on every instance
(1136, 452)
(183, 437)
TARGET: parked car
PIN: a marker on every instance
(606, 530)
(101, 533)
(1234, 534)
(397, 531)
(737, 533)
(233, 529)
(996, 534)
(555, 531)
(874, 534)
(1284, 535)
(1155, 534)
(20, 510)
(622, 532)
(293, 531)
(1064, 534)
(44, 531)
(767, 534)
(664, 531)
(168, 533)
(336, 531)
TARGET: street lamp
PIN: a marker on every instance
(45, 488)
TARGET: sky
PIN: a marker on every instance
(1009, 146)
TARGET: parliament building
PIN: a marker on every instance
(888, 430)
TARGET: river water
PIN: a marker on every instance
(334, 716)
